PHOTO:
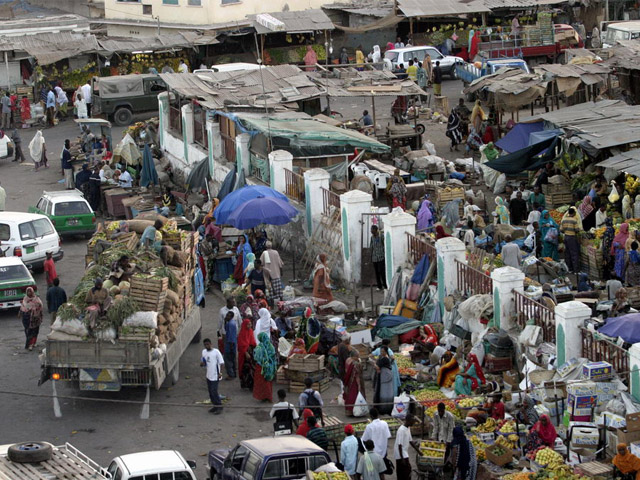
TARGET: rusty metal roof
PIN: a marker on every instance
(438, 8)
(165, 41)
(628, 162)
(49, 48)
(298, 21)
(350, 82)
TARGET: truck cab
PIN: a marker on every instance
(155, 465)
(621, 31)
(469, 72)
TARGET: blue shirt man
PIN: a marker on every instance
(367, 121)
(349, 451)
(230, 344)
(51, 99)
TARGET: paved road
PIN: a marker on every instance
(103, 429)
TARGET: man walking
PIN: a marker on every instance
(311, 399)
(67, 168)
(56, 296)
(272, 265)
(285, 414)
(377, 257)
(86, 94)
(371, 465)
(401, 448)
(51, 107)
(349, 450)
(570, 228)
(378, 432)
(230, 345)
(437, 79)
(50, 269)
(212, 359)
(17, 142)
(5, 101)
(229, 307)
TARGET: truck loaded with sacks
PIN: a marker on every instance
(132, 315)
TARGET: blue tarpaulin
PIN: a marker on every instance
(389, 325)
(421, 270)
(518, 136)
(542, 135)
(626, 327)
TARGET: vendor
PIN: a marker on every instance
(543, 433)
(98, 301)
(448, 370)
(443, 424)
(121, 270)
(527, 413)
(495, 407)
(472, 377)
(626, 463)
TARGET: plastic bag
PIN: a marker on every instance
(340, 399)
(552, 235)
(70, 327)
(400, 406)
(500, 185)
(288, 294)
(142, 319)
(360, 408)
(614, 196)
(108, 334)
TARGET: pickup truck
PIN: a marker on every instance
(284, 458)
(109, 366)
(468, 72)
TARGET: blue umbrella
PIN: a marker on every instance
(233, 200)
(268, 210)
(149, 174)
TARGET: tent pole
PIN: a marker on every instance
(6, 65)
(373, 107)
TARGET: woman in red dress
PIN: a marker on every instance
(246, 344)
(266, 365)
(353, 382)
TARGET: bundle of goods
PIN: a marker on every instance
(431, 453)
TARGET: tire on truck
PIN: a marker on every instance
(30, 452)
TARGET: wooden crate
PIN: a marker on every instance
(135, 334)
(280, 376)
(550, 189)
(149, 293)
(321, 386)
(554, 200)
(595, 469)
(306, 363)
(334, 428)
(298, 376)
(499, 460)
(129, 240)
(149, 284)
(172, 239)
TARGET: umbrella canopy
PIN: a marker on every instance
(268, 210)
(149, 175)
(233, 200)
(626, 327)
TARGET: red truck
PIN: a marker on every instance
(530, 44)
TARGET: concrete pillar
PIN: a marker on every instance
(352, 205)
(187, 129)
(279, 160)
(569, 317)
(243, 161)
(396, 226)
(505, 281)
(315, 180)
(163, 117)
(211, 126)
(448, 250)
(634, 369)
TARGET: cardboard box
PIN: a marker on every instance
(582, 388)
(597, 370)
(583, 435)
(511, 378)
(499, 460)
(581, 404)
(633, 422)
(625, 436)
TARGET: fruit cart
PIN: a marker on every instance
(430, 459)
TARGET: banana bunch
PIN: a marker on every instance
(631, 184)
(487, 427)
(510, 442)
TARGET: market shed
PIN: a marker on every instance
(583, 80)
(440, 8)
(625, 58)
(627, 162)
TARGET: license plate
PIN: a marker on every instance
(10, 293)
(30, 249)
(72, 221)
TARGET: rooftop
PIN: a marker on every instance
(282, 445)
(438, 8)
(153, 462)
(298, 21)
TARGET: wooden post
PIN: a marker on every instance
(6, 64)
(373, 108)
(262, 48)
(411, 27)
(532, 109)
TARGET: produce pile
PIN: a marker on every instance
(432, 449)
(330, 476)
(479, 447)
(546, 457)
(405, 366)
(470, 402)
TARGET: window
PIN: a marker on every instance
(72, 208)
(140, 477)
(272, 470)
(182, 476)
(238, 458)
(47, 207)
(435, 54)
(40, 204)
(391, 55)
(170, 2)
(200, 126)
(296, 467)
(228, 2)
(153, 476)
(147, 9)
(26, 231)
(194, 3)
(175, 116)
(5, 232)
(15, 272)
(251, 467)
(116, 473)
(166, 476)
(317, 461)
(228, 134)
(43, 227)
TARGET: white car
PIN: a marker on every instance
(163, 464)
(403, 55)
(29, 236)
(228, 67)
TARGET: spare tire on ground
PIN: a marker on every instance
(30, 452)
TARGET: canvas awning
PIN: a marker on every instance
(300, 21)
(163, 42)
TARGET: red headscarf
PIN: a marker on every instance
(440, 233)
(474, 360)
(547, 433)
(303, 429)
(246, 338)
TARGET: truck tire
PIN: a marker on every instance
(123, 116)
(196, 338)
(175, 374)
(454, 73)
(30, 452)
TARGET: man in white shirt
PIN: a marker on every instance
(378, 431)
(401, 448)
(443, 423)
(126, 180)
(182, 68)
(86, 94)
(229, 307)
(285, 414)
(212, 359)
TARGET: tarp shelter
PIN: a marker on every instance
(122, 85)
(537, 137)
(626, 327)
(518, 136)
(529, 158)
(510, 88)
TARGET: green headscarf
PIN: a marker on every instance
(491, 152)
(265, 356)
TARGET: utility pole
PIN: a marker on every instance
(157, 17)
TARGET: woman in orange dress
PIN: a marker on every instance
(448, 371)
(321, 281)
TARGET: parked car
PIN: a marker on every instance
(69, 212)
(228, 67)
(121, 96)
(621, 31)
(163, 464)
(286, 457)
(15, 278)
(29, 236)
(403, 55)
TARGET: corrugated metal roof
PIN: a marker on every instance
(438, 8)
(49, 48)
(296, 21)
(165, 41)
(340, 87)
(497, 4)
(626, 55)
(370, 12)
(628, 162)
(576, 71)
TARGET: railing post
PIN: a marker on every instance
(279, 160)
(396, 227)
(505, 281)
(448, 250)
(570, 316)
(634, 371)
(163, 117)
(352, 205)
(315, 180)
(243, 159)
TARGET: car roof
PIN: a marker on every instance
(630, 25)
(66, 198)
(267, 446)
(10, 261)
(414, 47)
(506, 61)
(20, 217)
(156, 461)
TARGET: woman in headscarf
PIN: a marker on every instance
(425, 215)
(607, 245)
(249, 309)
(390, 46)
(298, 347)
(261, 298)
(527, 413)
(261, 243)
(587, 213)
(383, 383)
(448, 370)
(472, 377)
(304, 427)
(626, 463)
(394, 366)
(477, 116)
(310, 59)
(440, 233)
(242, 260)
(548, 298)
(502, 211)
(321, 281)
(38, 150)
(397, 190)
(463, 455)
(633, 237)
(627, 208)
(251, 258)
(353, 381)
(491, 152)
(549, 244)
(618, 251)
(265, 323)
(545, 431)
(31, 314)
(246, 344)
(453, 130)
(376, 57)
(633, 266)
(266, 364)
(25, 111)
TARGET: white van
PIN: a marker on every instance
(403, 55)
(159, 464)
(620, 31)
(228, 67)
(29, 236)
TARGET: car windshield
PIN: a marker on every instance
(614, 35)
(71, 208)
(391, 55)
(14, 272)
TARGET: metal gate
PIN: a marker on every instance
(367, 274)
